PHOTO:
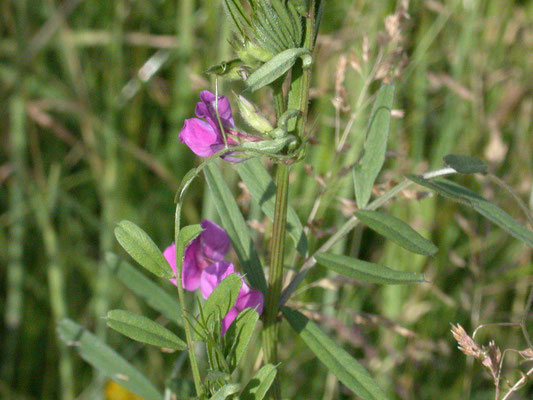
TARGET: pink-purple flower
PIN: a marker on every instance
(203, 136)
(210, 246)
(247, 298)
(204, 267)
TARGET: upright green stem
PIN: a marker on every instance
(275, 279)
(188, 332)
(298, 97)
(277, 252)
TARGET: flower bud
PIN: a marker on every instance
(252, 116)
(250, 53)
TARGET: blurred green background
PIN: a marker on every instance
(93, 95)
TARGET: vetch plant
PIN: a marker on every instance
(274, 42)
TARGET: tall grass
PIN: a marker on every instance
(73, 75)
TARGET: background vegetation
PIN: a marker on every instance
(93, 95)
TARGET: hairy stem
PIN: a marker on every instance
(277, 252)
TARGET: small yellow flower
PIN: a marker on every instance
(113, 391)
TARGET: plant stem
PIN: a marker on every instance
(188, 333)
(275, 278)
(297, 98)
(277, 253)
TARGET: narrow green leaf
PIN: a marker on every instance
(143, 330)
(155, 296)
(106, 360)
(263, 191)
(223, 298)
(366, 271)
(367, 170)
(235, 226)
(226, 391)
(397, 231)
(258, 386)
(239, 334)
(490, 211)
(466, 164)
(337, 360)
(274, 68)
(142, 249)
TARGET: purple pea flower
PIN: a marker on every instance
(210, 246)
(204, 137)
(247, 298)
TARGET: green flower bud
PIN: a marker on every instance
(232, 70)
(252, 116)
(252, 54)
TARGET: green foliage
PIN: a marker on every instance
(263, 190)
(271, 25)
(397, 231)
(155, 296)
(277, 67)
(366, 271)
(142, 249)
(106, 360)
(367, 169)
(466, 164)
(104, 94)
(258, 386)
(337, 360)
(238, 336)
(221, 300)
(467, 197)
(143, 330)
(226, 391)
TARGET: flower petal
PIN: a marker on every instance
(206, 109)
(213, 275)
(191, 272)
(200, 137)
(252, 299)
(214, 241)
(170, 256)
(228, 320)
